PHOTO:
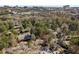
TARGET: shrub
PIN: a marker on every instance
(26, 23)
(4, 41)
(40, 28)
(3, 28)
(73, 26)
(75, 40)
(54, 25)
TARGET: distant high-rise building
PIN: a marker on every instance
(66, 6)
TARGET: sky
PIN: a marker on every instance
(39, 2)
